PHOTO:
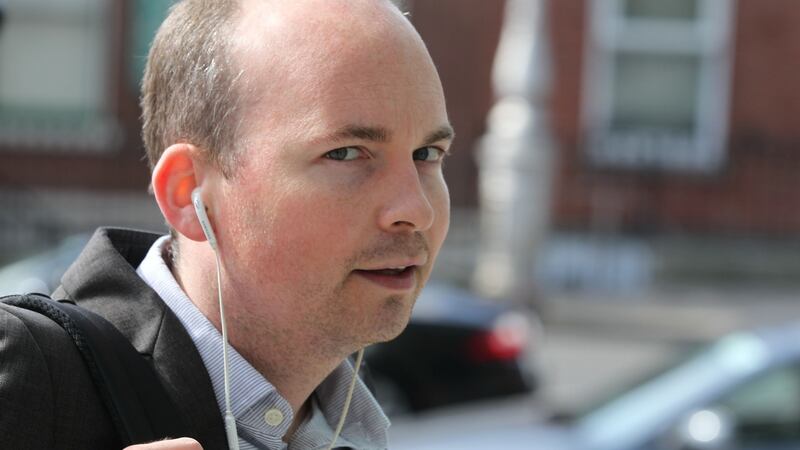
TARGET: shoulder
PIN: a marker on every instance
(45, 388)
(33, 346)
(22, 330)
(25, 380)
(27, 340)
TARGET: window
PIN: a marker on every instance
(656, 83)
(54, 87)
(767, 409)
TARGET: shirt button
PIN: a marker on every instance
(273, 417)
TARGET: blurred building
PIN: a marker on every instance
(678, 141)
(675, 138)
(70, 152)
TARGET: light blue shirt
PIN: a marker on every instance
(262, 415)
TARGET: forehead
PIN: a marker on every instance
(311, 72)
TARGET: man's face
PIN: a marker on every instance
(333, 221)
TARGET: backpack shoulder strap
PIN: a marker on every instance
(139, 407)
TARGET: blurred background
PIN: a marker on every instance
(624, 187)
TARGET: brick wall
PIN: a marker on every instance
(758, 188)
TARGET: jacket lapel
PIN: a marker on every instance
(103, 279)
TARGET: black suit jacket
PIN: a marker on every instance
(47, 400)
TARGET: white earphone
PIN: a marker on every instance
(230, 420)
(202, 216)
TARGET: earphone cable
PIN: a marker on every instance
(347, 400)
(230, 420)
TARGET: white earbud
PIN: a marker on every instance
(230, 421)
(202, 216)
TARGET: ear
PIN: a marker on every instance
(175, 176)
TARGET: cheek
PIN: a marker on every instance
(308, 231)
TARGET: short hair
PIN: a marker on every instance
(189, 86)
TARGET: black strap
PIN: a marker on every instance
(140, 408)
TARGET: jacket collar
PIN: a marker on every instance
(103, 279)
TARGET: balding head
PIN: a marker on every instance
(200, 68)
(295, 56)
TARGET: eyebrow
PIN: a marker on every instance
(367, 133)
(443, 133)
(380, 134)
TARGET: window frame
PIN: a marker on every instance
(709, 37)
(108, 130)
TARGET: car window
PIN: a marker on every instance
(635, 415)
(767, 408)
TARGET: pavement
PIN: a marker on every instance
(593, 345)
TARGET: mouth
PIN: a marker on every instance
(394, 278)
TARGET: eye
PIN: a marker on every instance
(344, 154)
(429, 154)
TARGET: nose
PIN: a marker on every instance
(407, 206)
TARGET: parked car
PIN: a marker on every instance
(457, 347)
(740, 393)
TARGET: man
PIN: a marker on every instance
(315, 132)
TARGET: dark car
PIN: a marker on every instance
(740, 393)
(457, 347)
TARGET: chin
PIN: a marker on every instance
(393, 318)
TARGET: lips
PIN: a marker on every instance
(396, 278)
